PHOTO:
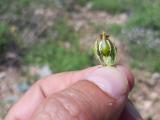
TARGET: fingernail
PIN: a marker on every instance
(129, 75)
(111, 80)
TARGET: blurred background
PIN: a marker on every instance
(40, 37)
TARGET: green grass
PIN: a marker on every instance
(7, 5)
(114, 28)
(57, 57)
(142, 48)
(9, 38)
(82, 2)
(4, 37)
(61, 50)
(112, 6)
(65, 33)
(54, 53)
(143, 13)
(144, 16)
(3, 5)
(144, 57)
(147, 15)
(151, 63)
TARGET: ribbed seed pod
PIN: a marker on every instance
(105, 50)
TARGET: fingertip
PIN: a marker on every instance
(121, 68)
(110, 80)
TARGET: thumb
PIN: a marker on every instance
(100, 96)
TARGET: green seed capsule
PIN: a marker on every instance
(105, 50)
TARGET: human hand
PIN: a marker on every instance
(96, 93)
